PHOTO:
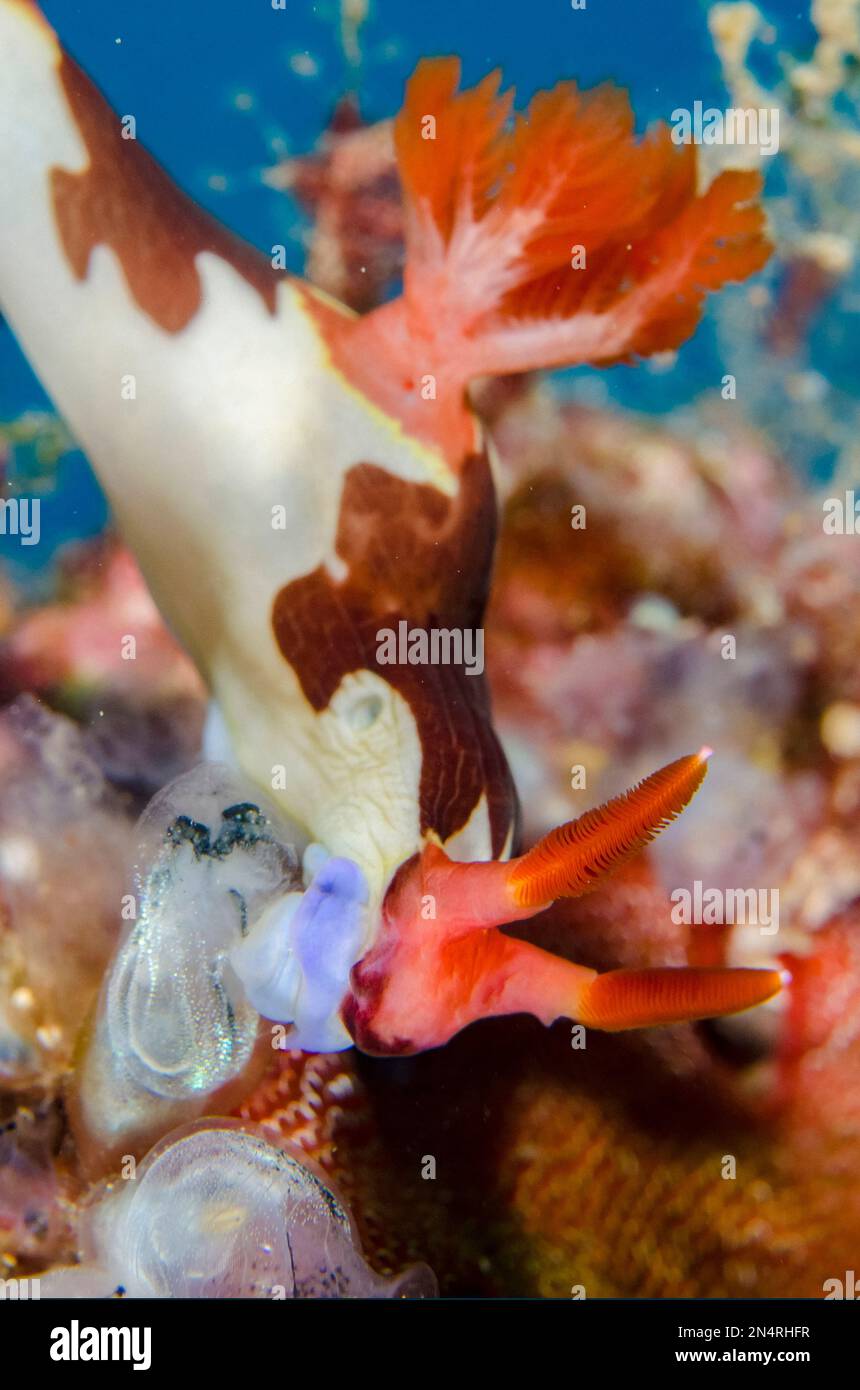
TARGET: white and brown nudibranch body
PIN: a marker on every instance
(294, 480)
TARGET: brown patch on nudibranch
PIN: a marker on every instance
(411, 553)
(124, 200)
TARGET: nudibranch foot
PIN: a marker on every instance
(441, 961)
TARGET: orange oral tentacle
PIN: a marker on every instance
(572, 859)
(646, 998)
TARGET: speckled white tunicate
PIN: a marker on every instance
(218, 1211)
(174, 1023)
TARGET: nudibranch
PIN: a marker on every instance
(296, 482)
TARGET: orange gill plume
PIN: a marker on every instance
(555, 238)
(441, 961)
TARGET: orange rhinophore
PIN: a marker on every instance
(570, 860)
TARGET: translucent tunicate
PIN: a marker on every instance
(218, 1211)
(174, 1024)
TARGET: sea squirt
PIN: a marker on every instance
(174, 1029)
(216, 1210)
